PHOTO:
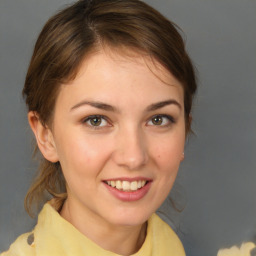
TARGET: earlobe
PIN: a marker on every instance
(44, 137)
(182, 157)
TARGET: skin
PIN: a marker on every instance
(127, 143)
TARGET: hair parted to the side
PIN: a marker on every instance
(75, 32)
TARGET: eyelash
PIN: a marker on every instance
(170, 120)
(96, 127)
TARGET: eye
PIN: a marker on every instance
(161, 120)
(96, 121)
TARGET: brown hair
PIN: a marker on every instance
(70, 35)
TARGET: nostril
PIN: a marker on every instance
(130, 150)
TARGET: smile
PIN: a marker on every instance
(127, 186)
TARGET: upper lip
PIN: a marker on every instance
(130, 179)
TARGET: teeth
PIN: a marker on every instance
(134, 185)
(118, 184)
(126, 185)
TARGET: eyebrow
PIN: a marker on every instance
(95, 104)
(107, 107)
(162, 104)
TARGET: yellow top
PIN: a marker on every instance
(54, 236)
(244, 250)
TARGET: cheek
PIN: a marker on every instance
(169, 152)
(78, 154)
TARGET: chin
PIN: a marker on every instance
(130, 218)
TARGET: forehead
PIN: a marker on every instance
(121, 56)
(128, 75)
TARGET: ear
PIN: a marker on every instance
(182, 157)
(188, 125)
(44, 137)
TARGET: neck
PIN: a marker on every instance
(123, 240)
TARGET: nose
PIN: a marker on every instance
(131, 149)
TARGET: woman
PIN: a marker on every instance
(109, 92)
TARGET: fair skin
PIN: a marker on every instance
(118, 132)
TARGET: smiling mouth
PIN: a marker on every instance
(127, 186)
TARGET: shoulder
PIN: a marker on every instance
(163, 228)
(23, 246)
(164, 236)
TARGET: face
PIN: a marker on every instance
(119, 132)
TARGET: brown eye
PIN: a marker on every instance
(157, 120)
(161, 120)
(95, 121)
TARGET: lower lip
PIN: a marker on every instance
(131, 195)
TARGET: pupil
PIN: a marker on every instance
(157, 120)
(96, 121)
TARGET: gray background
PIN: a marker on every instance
(217, 178)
